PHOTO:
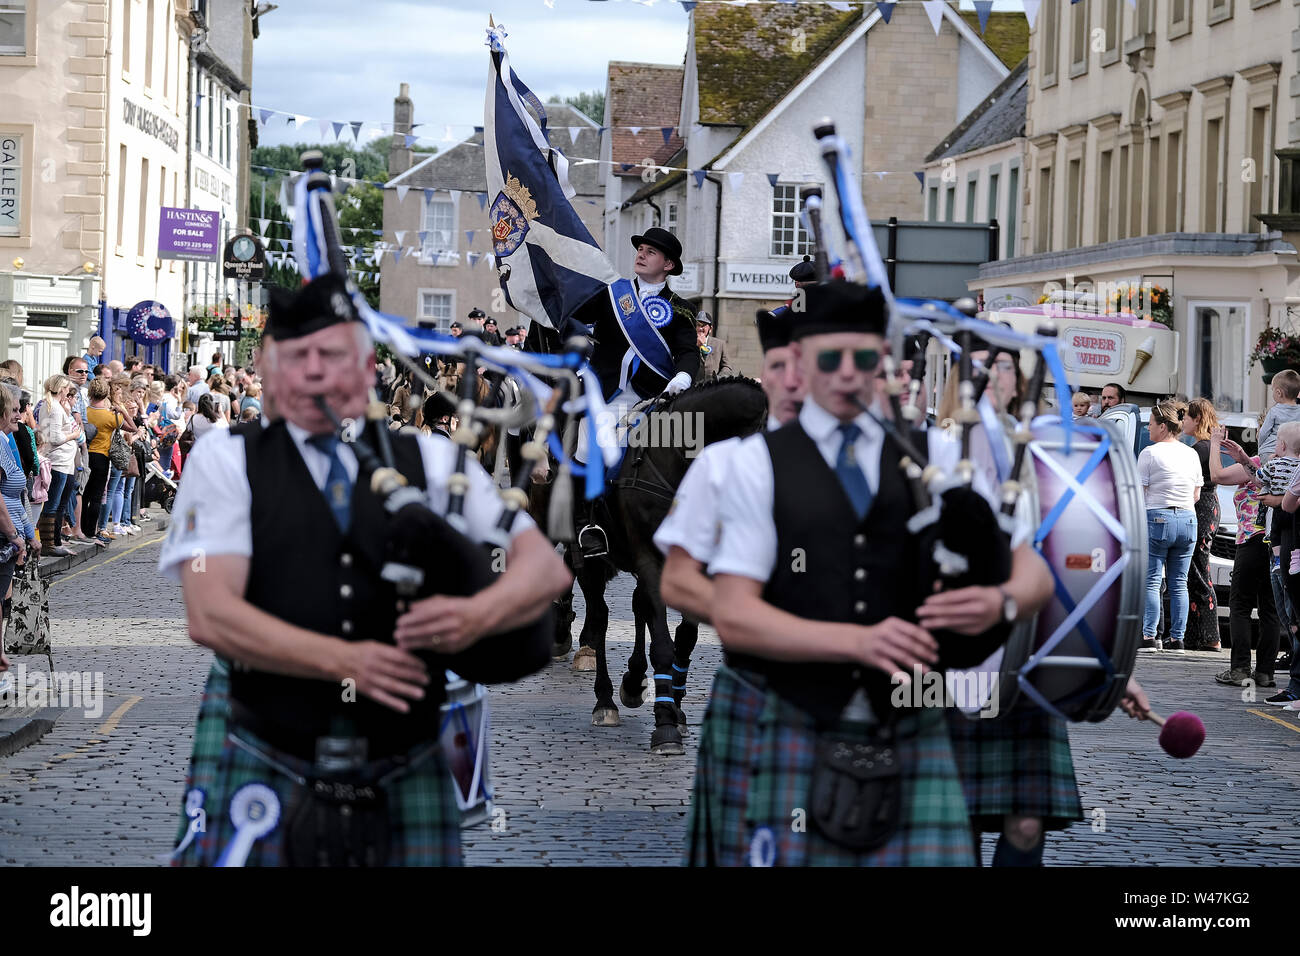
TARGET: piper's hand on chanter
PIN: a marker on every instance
(1134, 702)
(968, 611)
(895, 645)
(387, 675)
(443, 624)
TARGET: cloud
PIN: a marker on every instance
(343, 60)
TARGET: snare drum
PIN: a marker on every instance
(1075, 658)
(463, 733)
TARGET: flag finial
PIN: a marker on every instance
(491, 23)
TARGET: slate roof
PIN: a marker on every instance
(462, 166)
(999, 118)
(648, 95)
(745, 57)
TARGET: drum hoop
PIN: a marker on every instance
(478, 782)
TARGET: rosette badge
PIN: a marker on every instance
(657, 310)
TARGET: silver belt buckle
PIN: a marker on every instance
(858, 710)
(341, 754)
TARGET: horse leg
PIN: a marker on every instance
(635, 687)
(687, 634)
(667, 737)
(585, 658)
(562, 608)
(604, 714)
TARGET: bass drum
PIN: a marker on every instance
(1075, 658)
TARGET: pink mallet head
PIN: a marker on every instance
(1182, 734)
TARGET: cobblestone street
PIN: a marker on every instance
(106, 789)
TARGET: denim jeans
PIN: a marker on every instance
(1282, 601)
(1171, 537)
(62, 488)
(114, 494)
(122, 510)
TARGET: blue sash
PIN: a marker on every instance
(644, 338)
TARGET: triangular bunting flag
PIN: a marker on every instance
(377, 233)
(397, 254)
(264, 116)
(198, 97)
(428, 195)
(636, 130)
(625, 166)
(688, 5)
(845, 8)
(409, 140)
(573, 134)
(324, 128)
(472, 258)
(1031, 11)
(772, 179)
(469, 234)
(401, 192)
(356, 129)
(881, 174)
(301, 120)
(699, 175)
(338, 128)
(283, 197)
(982, 10)
(262, 225)
(886, 11)
(478, 130)
(455, 197)
(934, 10)
(400, 234)
(734, 179)
(920, 178)
(668, 133)
(424, 237)
(482, 200)
(284, 244)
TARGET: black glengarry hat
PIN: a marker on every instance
(838, 306)
(319, 304)
(773, 327)
(803, 271)
(665, 242)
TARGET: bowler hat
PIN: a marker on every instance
(665, 242)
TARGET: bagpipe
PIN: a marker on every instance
(1075, 485)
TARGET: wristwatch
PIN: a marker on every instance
(1010, 610)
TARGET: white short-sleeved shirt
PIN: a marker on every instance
(692, 523)
(747, 545)
(1170, 472)
(212, 513)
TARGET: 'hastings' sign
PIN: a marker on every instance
(189, 234)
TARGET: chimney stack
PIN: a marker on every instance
(400, 156)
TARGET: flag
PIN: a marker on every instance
(555, 264)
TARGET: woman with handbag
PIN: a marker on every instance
(15, 524)
(61, 432)
(105, 418)
(121, 506)
(119, 459)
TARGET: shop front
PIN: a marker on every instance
(144, 329)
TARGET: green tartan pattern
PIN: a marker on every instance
(209, 736)
(424, 820)
(1017, 764)
(754, 771)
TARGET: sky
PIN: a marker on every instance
(343, 60)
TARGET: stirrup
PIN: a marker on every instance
(592, 541)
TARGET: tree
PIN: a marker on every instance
(592, 104)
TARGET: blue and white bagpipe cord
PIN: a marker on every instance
(311, 252)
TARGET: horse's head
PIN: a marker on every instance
(726, 408)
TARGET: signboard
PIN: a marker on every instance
(767, 280)
(11, 184)
(191, 234)
(149, 123)
(1092, 350)
(149, 323)
(1009, 297)
(244, 258)
(228, 330)
(688, 281)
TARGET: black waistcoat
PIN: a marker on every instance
(832, 567)
(306, 572)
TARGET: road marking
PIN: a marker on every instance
(1276, 720)
(96, 567)
(110, 725)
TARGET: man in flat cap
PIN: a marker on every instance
(330, 755)
(713, 357)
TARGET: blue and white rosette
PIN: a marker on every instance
(658, 310)
(255, 812)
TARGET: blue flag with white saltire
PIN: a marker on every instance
(554, 263)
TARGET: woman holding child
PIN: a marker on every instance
(1202, 613)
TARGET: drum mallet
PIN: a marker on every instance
(1181, 735)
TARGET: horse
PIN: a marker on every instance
(638, 500)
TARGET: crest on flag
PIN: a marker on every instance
(511, 211)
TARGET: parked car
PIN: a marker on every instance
(1242, 429)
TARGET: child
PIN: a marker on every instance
(1082, 405)
(1275, 478)
(1286, 389)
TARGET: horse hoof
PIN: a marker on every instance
(634, 697)
(584, 660)
(666, 741)
(560, 649)
(605, 717)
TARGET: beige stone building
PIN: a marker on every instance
(756, 80)
(435, 213)
(1148, 157)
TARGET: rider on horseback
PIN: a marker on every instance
(644, 346)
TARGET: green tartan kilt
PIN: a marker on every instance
(424, 819)
(1016, 764)
(754, 773)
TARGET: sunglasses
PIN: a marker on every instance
(864, 360)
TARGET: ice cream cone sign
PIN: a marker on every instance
(1144, 352)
